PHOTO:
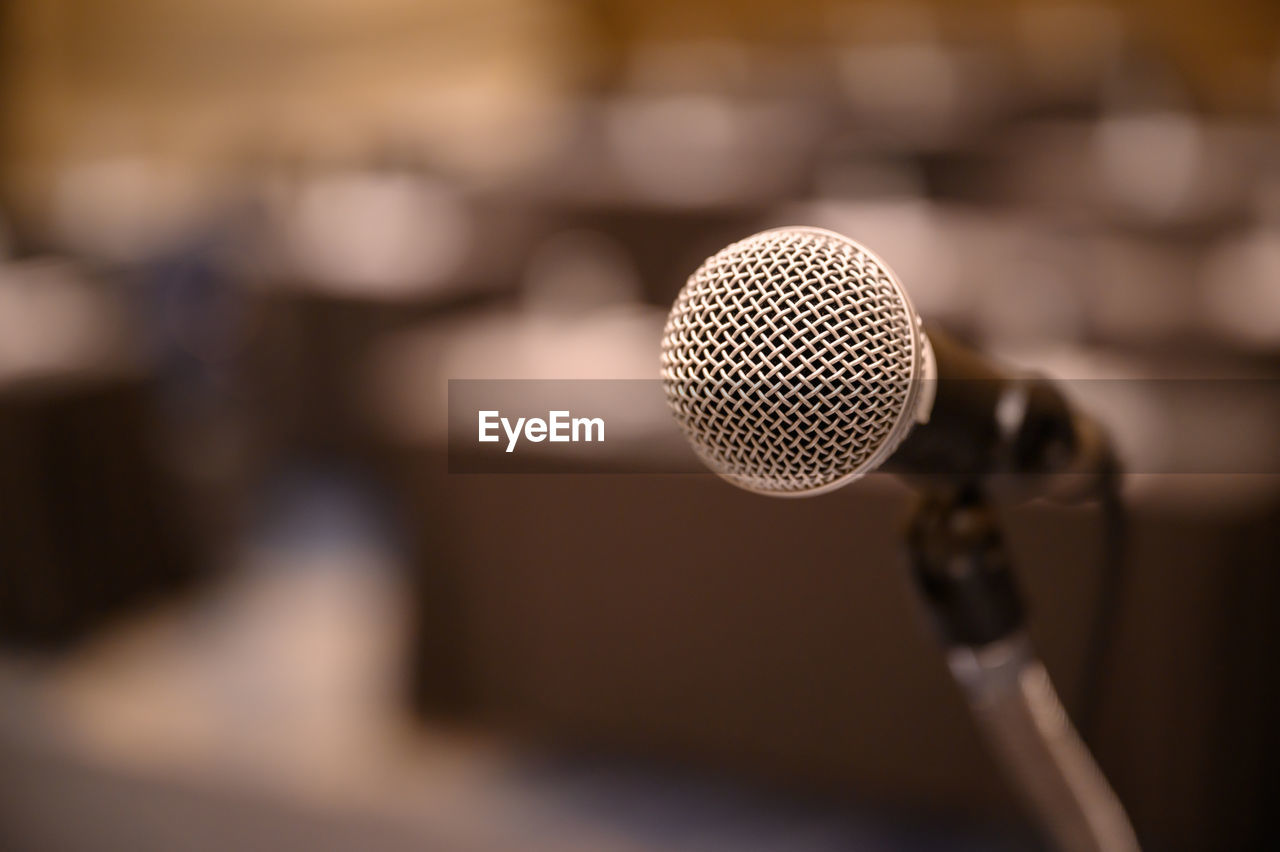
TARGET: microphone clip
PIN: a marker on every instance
(962, 568)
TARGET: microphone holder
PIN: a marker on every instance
(962, 571)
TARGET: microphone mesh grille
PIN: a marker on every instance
(790, 359)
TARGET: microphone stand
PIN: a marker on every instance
(962, 570)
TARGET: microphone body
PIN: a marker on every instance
(1016, 435)
(794, 363)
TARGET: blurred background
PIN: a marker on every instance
(244, 245)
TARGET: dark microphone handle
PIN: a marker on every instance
(986, 422)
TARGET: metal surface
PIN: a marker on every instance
(794, 361)
(1022, 719)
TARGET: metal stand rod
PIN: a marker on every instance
(962, 570)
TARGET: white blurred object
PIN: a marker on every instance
(375, 235)
(54, 322)
(1241, 287)
(617, 343)
(1151, 160)
(409, 375)
(1145, 167)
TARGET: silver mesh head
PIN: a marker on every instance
(792, 361)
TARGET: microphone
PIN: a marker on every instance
(794, 363)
